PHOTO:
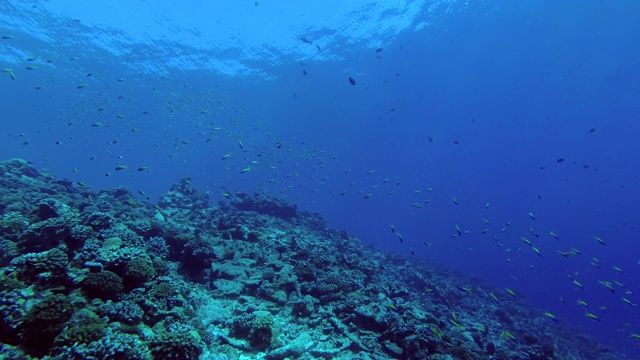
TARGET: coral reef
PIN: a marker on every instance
(43, 322)
(176, 345)
(264, 205)
(105, 285)
(97, 274)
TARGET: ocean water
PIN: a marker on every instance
(465, 125)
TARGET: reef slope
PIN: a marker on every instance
(99, 274)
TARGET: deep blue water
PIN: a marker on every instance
(475, 101)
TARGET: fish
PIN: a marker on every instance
(598, 239)
(379, 49)
(31, 67)
(6, 37)
(393, 228)
(439, 334)
(304, 39)
(245, 170)
(10, 72)
(120, 167)
(533, 232)
(577, 283)
(511, 292)
(456, 324)
(400, 237)
(352, 81)
(81, 86)
(494, 298)
(226, 156)
(608, 285)
(304, 72)
(143, 168)
(392, 307)
(505, 334)
(551, 316)
(592, 317)
(554, 235)
(532, 216)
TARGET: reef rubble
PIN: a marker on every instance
(100, 274)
